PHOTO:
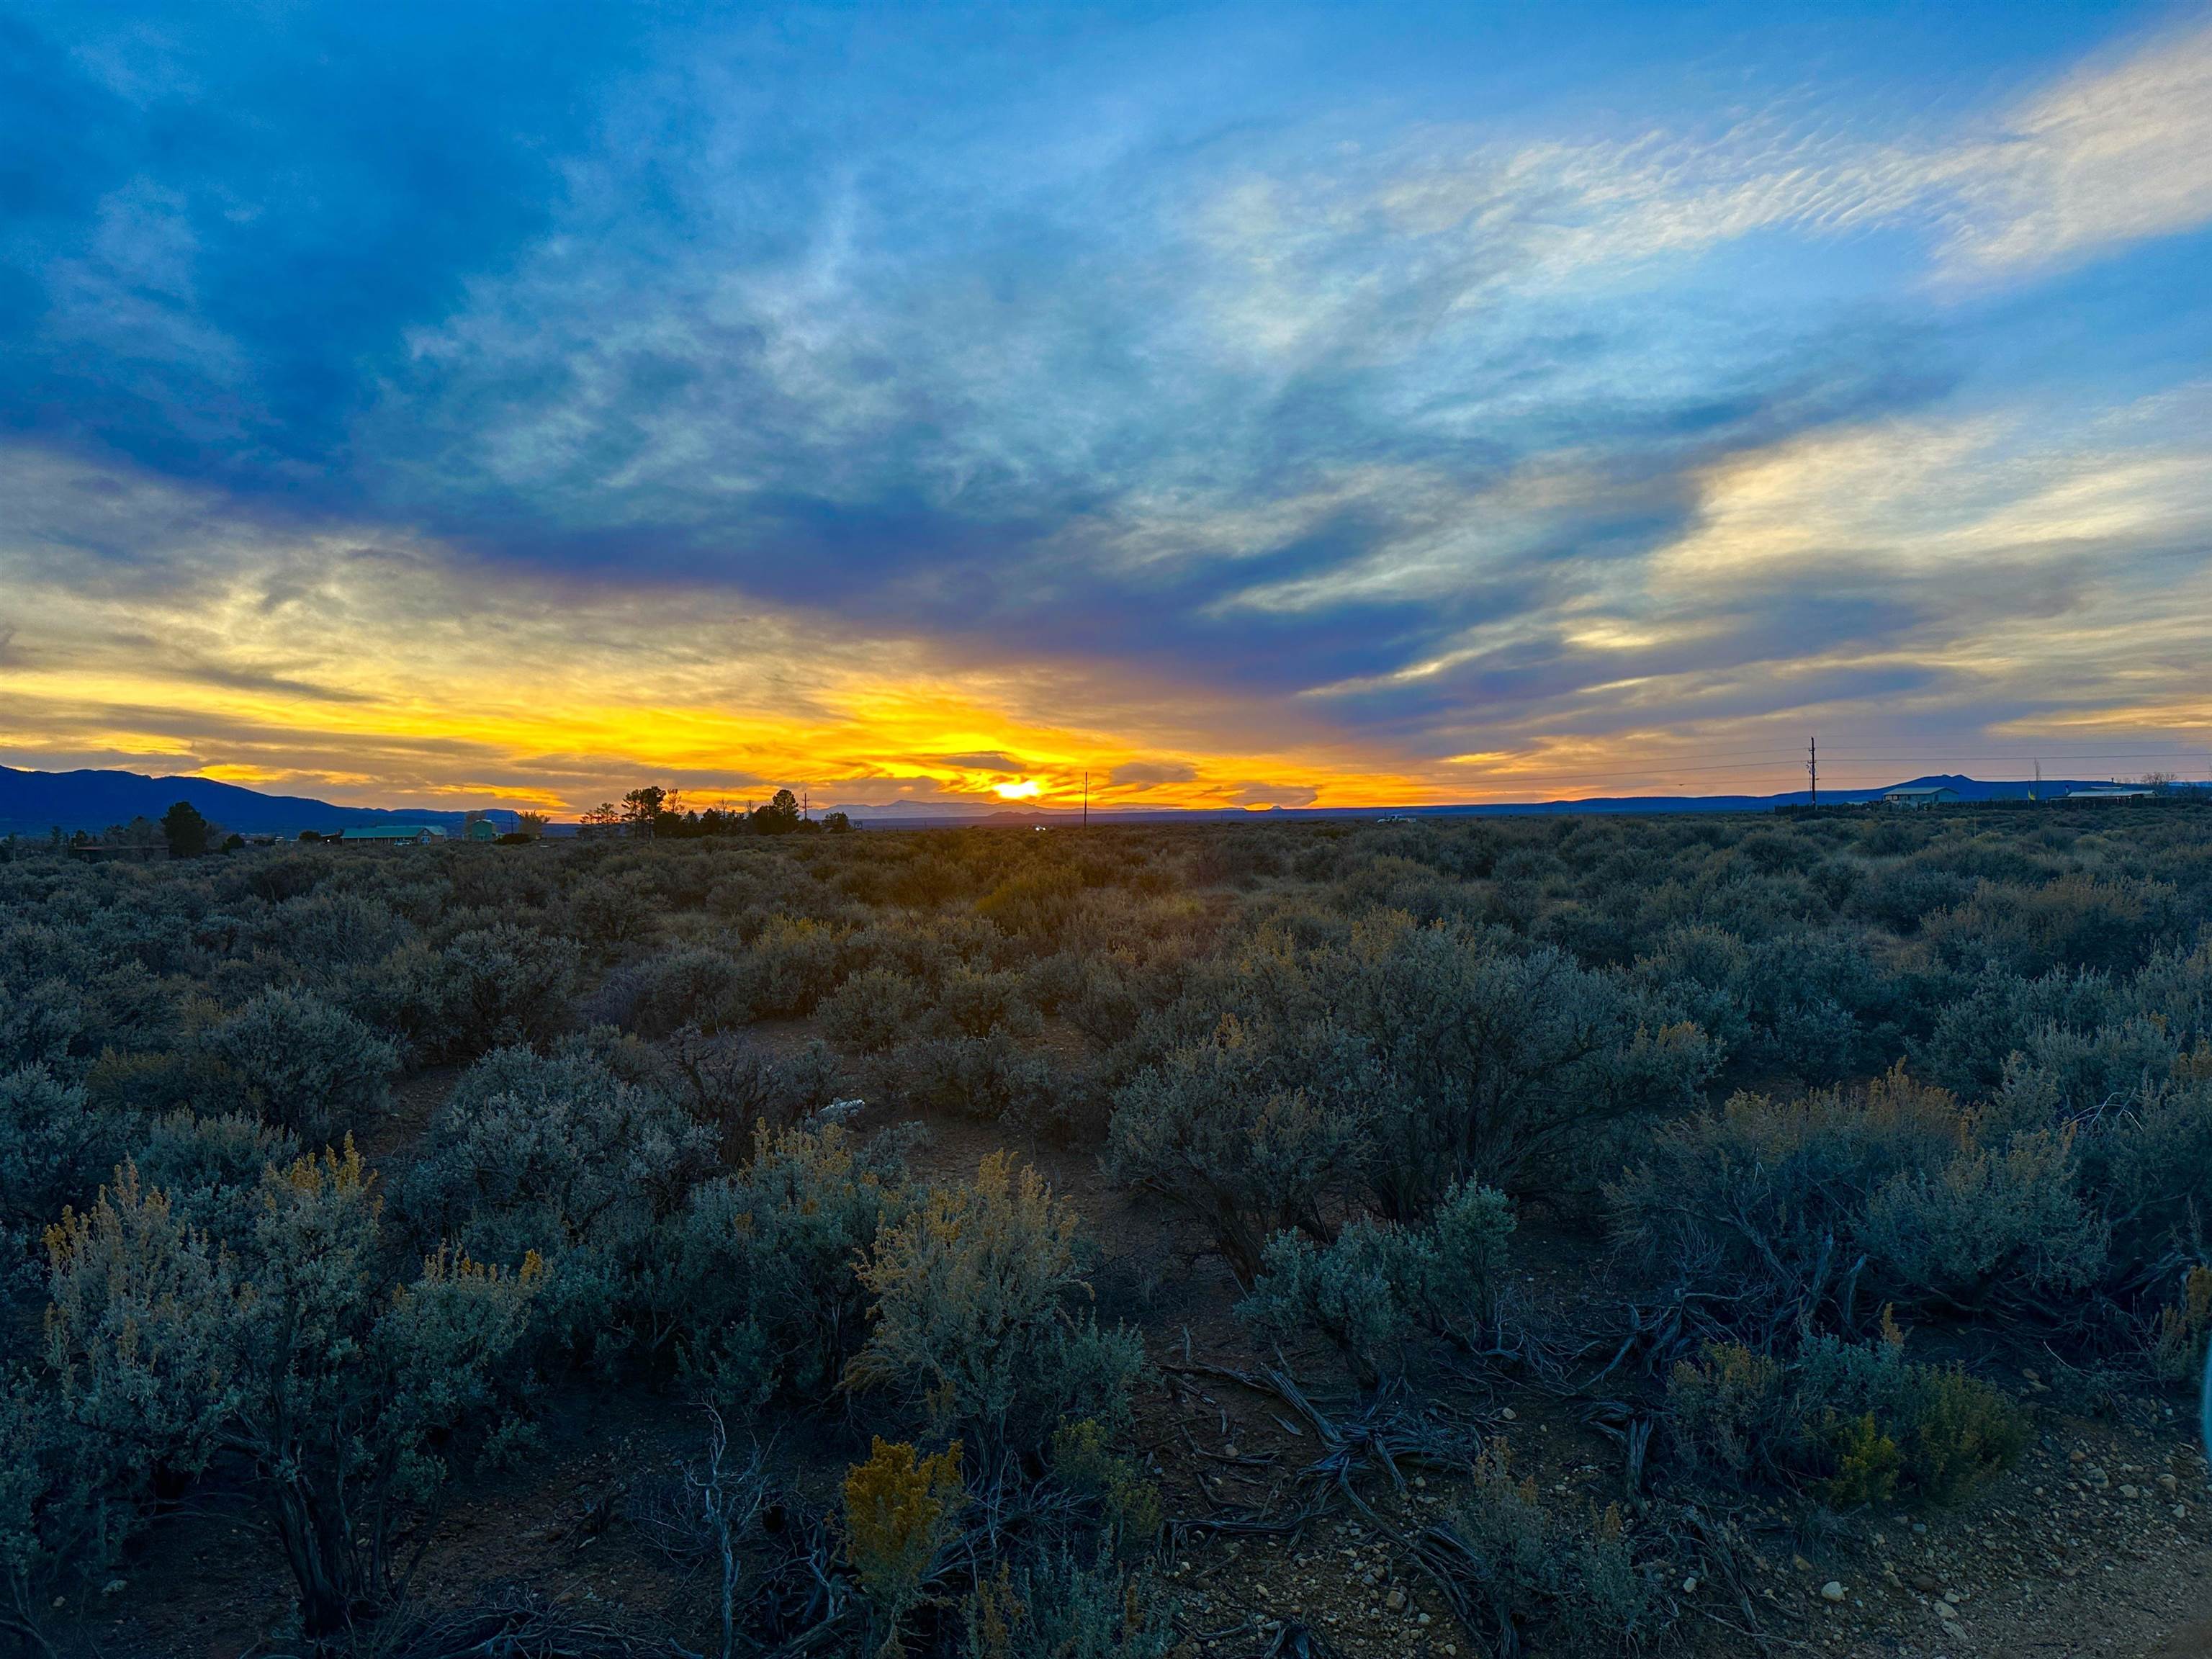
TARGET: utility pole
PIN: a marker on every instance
(1086, 800)
(1812, 767)
(805, 800)
(2036, 793)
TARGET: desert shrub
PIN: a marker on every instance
(759, 1280)
(2082, 1070)
(2075, 921)
(990, 1077)
(875, 1010)
(1131, 1507)
(1034, 903)
(1377, 1284)
(325, 934)
(342, 1397)
(731, 1087)
(1115, 992)
(42, 1024)
(1060, 1608)
(210, 1168)
(901, 1510)
(1467, 1058)
(558, 1154)
(1218, 1130)
(2184, 1328)
(491, 986)
(68, 1506)
(975, 1003)
(1975, 1035)
(1851, 1422)
(791, 966)
(2148, 1163)
(611, 911)
(191, 1078)
(694, 986)
(305, 1066)
(1517, 1568)
(1754, 1210)
(979, 1326)
(1901, 896)
(54, 1149)
(1991, 1228)
(1808, 1003)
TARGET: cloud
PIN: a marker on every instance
(1273, 795)
(987, 760)
(1150, 775)
(2116, 151)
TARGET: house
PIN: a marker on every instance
(1931, 794)
(390, 835)
(480, 830)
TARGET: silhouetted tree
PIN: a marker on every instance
(780, 816)
(186, 831)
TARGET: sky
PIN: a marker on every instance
(1267, 405)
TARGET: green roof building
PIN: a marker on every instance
(392, 834)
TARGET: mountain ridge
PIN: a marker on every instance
(32, 802)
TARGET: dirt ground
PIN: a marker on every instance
(2098, 1543)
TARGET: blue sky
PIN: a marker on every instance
(1260, 404)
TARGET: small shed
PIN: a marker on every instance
(1931, 794)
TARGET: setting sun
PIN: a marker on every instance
(1027, 789)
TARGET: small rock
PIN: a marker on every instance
(1690, 1585)
(1832, 1591)
(1946, 1611)
(2129, 1491)
(1801, 1564)
(113, 1587)
(2169, 1485)
(1396, 1601)
(1952, 1598)
(1510, 1415)
(1423, 1619)
(1926, 1585)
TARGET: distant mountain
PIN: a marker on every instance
(31, 802)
